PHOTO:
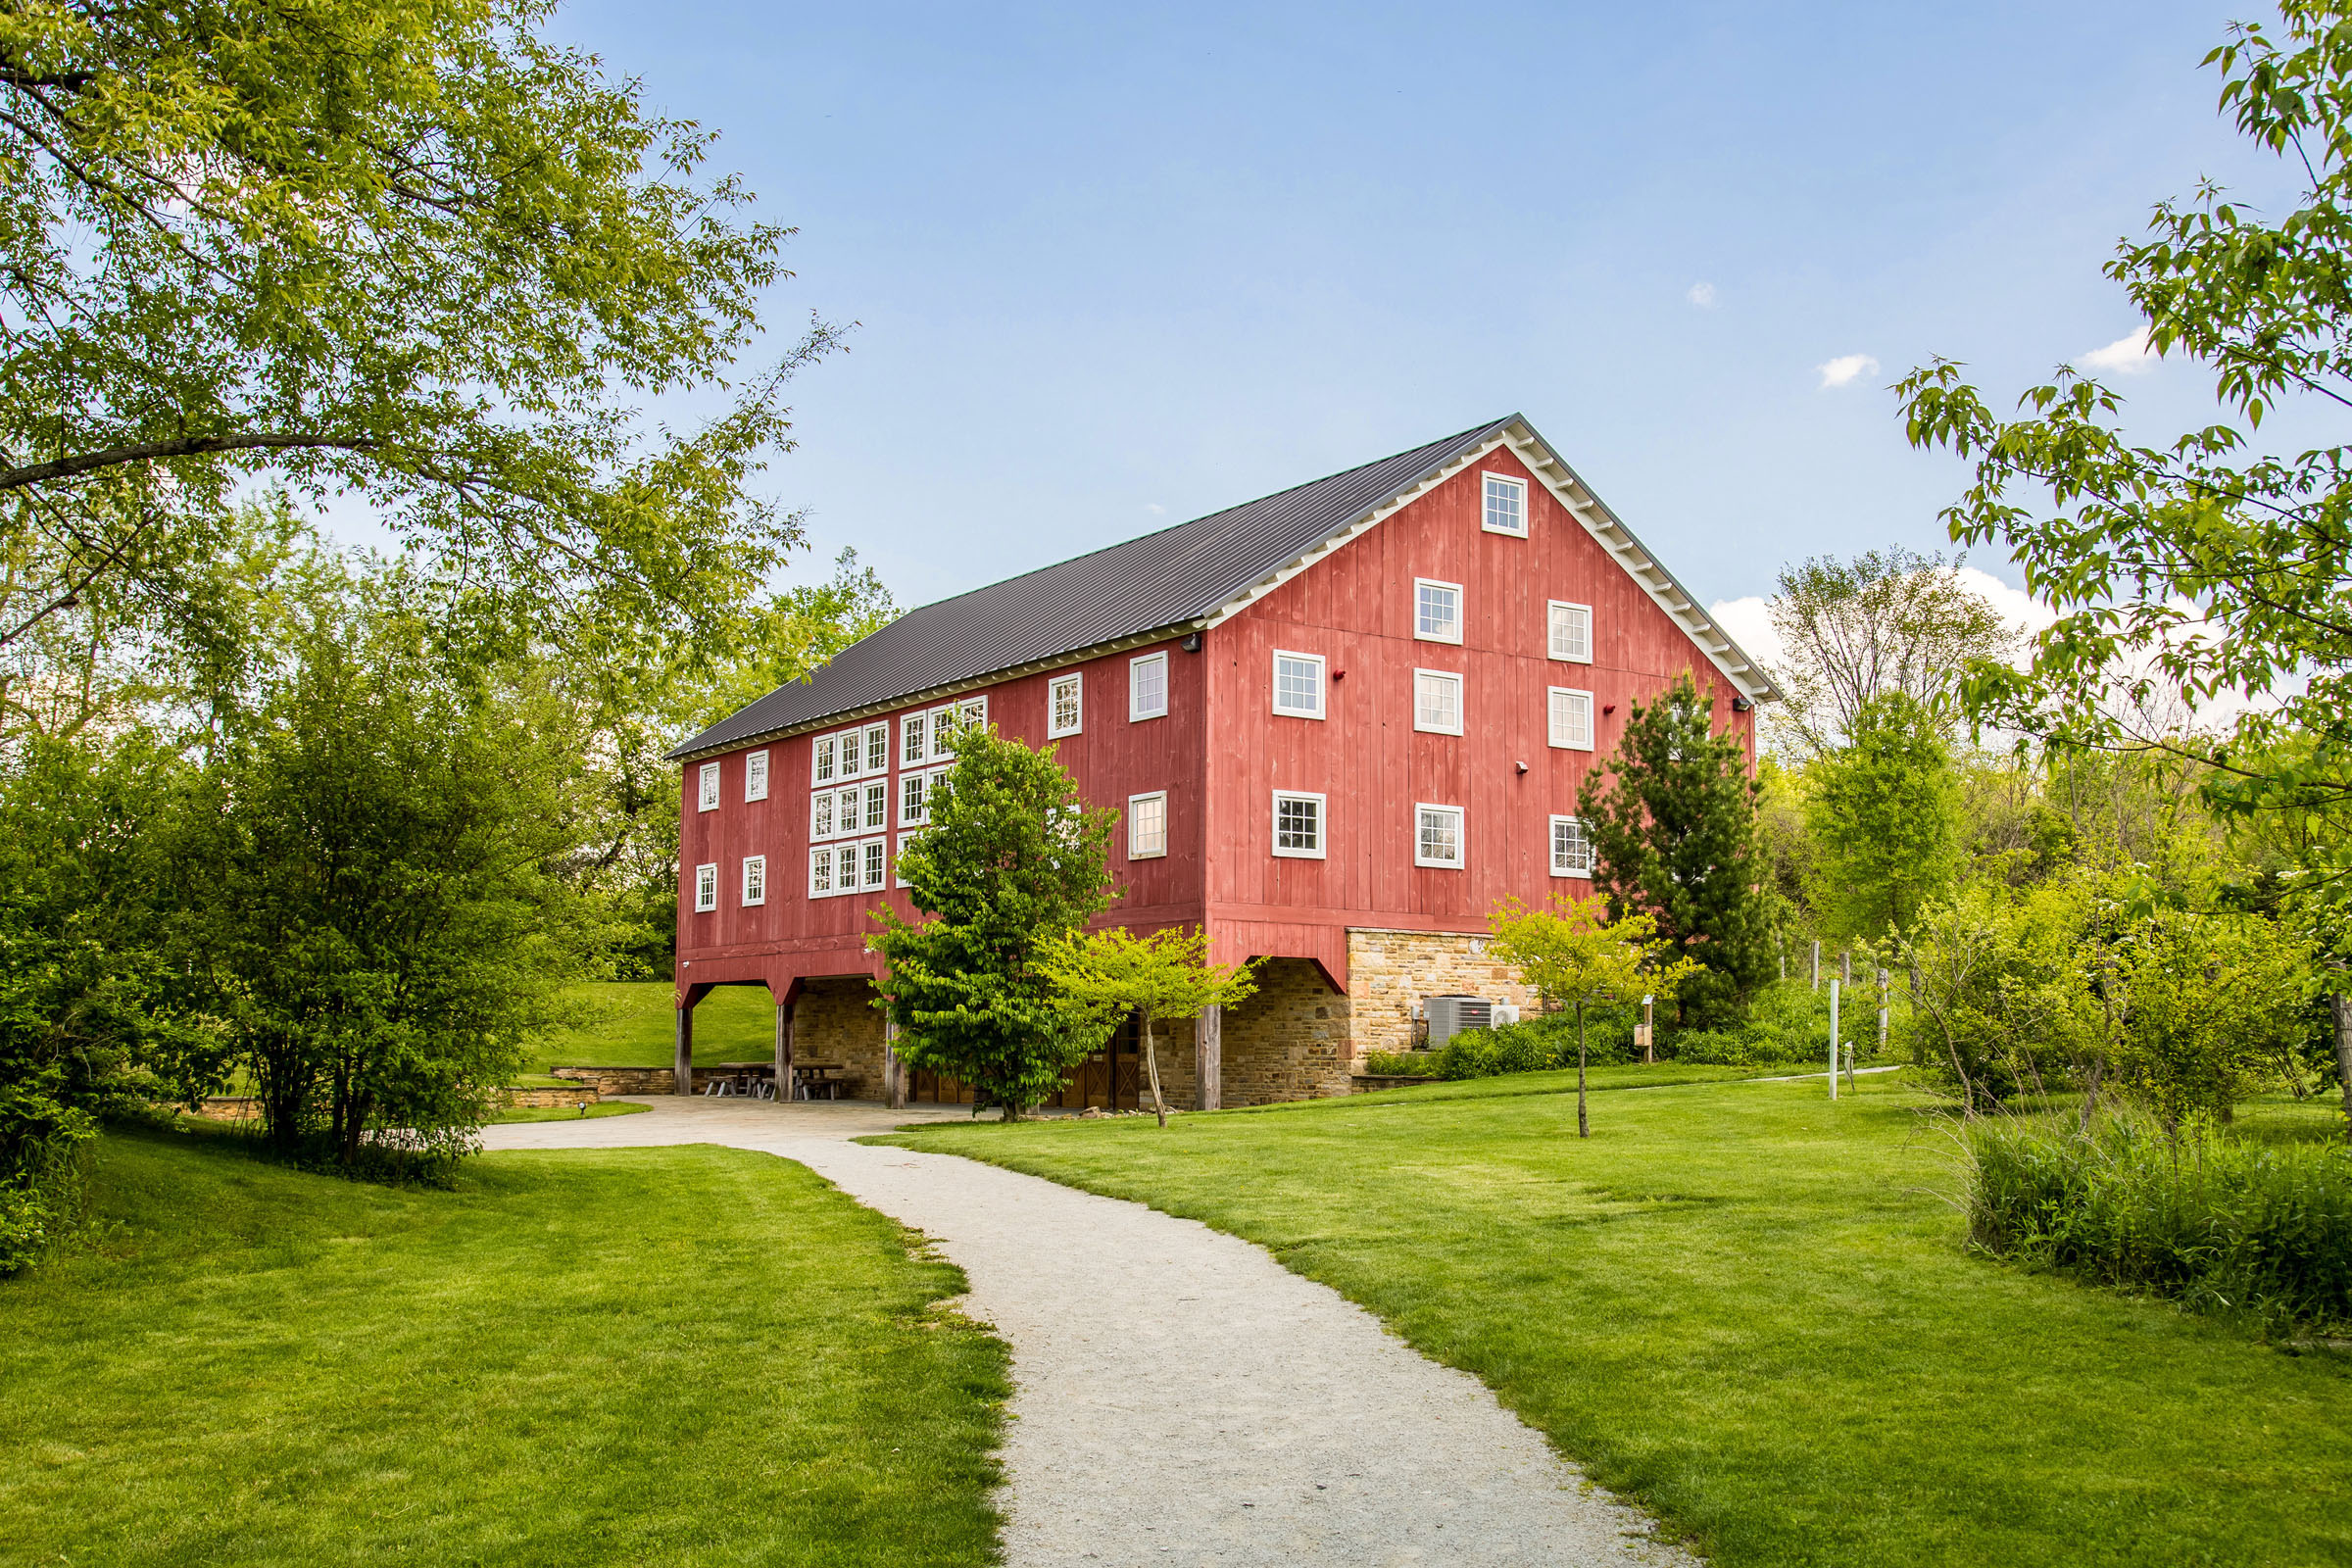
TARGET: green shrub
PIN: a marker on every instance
(2217, 1223)
(1540, 1044)
(1787, 1025)
(1402, 1063)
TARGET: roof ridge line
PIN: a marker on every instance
(1120, 544)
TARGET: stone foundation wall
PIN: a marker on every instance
(608, 1081)
(1388, 971)
(537, 1098)
(836, 1020)
(1288, 1042)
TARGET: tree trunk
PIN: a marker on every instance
(2342, 1009)
(1583, 1123)
(2090, 1092)
(1152, 1065)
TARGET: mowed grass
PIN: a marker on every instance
(633, 1024)
(603, 1108)
(1752, 1310)
(653, 1356)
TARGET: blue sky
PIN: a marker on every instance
(1116, 267)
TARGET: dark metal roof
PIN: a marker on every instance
(1160, 581)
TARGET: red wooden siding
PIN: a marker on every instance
(1358, 609)
(794, 936)
(1221, 751)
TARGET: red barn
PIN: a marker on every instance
(1339, 725)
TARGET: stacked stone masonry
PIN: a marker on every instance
(1389, 971)
(1295, 1039)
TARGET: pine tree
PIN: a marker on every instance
(1672, 815)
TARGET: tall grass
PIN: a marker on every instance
(2219, 1223)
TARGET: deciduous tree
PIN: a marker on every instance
(1166, 975)
(1887, 622)
(1011, 863)
(415, 254)
(1574, 955)
(367, 893)
(1885, 812)
(2199, 567)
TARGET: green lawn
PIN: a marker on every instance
(632, 1024)
(1752, 1310)
(651, 1356)
(1621, 1075)
(603, 1108)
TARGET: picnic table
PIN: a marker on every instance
(756, 1080)
(819, 1080)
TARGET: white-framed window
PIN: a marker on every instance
(754, 776)
(948, 717)
(705, 888)
(1148, 825)
(878, 807)
(1571, 632)
(1571, 849)
(820, 871)
(1437, 610)
(822, 760)
(899, 867)
(821, 816)
(1437, 836)
(872, 863)
(1147, 687)
(1298, 684)
(1298, 825)
(1437, 702)
(707, 788)
(1505, 508)
(1065, 705)
(1570, 721)
(755, 879)
(877, 747)
(852, 752)
(914, 739)
(915, 799)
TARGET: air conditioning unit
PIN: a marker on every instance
(1449, 1015)
(1501, 1014)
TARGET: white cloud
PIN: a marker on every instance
(1843, 370)
(1702, 295)
(2126, 356)
(1749, 621)
(1155, 508)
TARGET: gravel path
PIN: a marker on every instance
(1181, 1398)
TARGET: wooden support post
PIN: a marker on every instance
(1208, 1059)
(1846, 967)
(1832, 1039)
(1649, 1029)
(784, 1052)
(682, 1070)
(894, 1072)
(1817, 964)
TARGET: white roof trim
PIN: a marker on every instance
(1551, 471)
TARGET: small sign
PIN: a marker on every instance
(1642, 1035)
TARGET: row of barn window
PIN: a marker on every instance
(1300, 832)
(1299, 680)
